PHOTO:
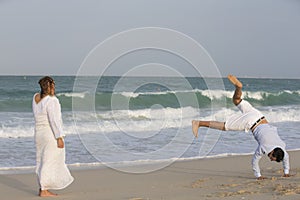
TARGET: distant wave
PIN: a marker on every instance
(173, 99)
(143, 100)
(211, 94)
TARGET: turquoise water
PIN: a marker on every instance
(141, 116)
(16, 92)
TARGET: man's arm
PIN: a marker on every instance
(286, 164)
(255, 166)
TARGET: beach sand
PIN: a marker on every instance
(212, 178)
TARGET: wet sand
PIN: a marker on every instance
(212, 178)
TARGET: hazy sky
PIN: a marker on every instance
(249, 38)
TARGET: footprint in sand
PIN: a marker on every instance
(290, 189)
(198, 183)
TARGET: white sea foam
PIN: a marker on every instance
(129, 94)
(73, 94)
(215, 94)
(136, 94)
(16, 132)
(255, 95)
(135, 120)
(282, 114)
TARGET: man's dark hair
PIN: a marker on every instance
(278, 154)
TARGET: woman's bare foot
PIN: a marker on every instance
(46, 193)
(234, 81)
(195, 127)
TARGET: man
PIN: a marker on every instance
(269, 142)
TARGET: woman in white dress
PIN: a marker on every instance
(51, 169)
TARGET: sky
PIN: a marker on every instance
(248, 38)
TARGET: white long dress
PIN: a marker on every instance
(50, 160)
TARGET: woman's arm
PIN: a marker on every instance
(54, 117)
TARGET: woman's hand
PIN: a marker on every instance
(60, 143)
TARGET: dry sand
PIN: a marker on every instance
(214, 178)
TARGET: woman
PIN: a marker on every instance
(50, 152)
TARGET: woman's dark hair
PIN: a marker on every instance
(45, 83)
(278, 154)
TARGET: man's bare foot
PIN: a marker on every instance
(46, 193)
(234, 81)
(195, 126)
(262, 178)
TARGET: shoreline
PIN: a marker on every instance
(126, 164)
(209, 178)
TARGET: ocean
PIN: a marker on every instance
(141, 120)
